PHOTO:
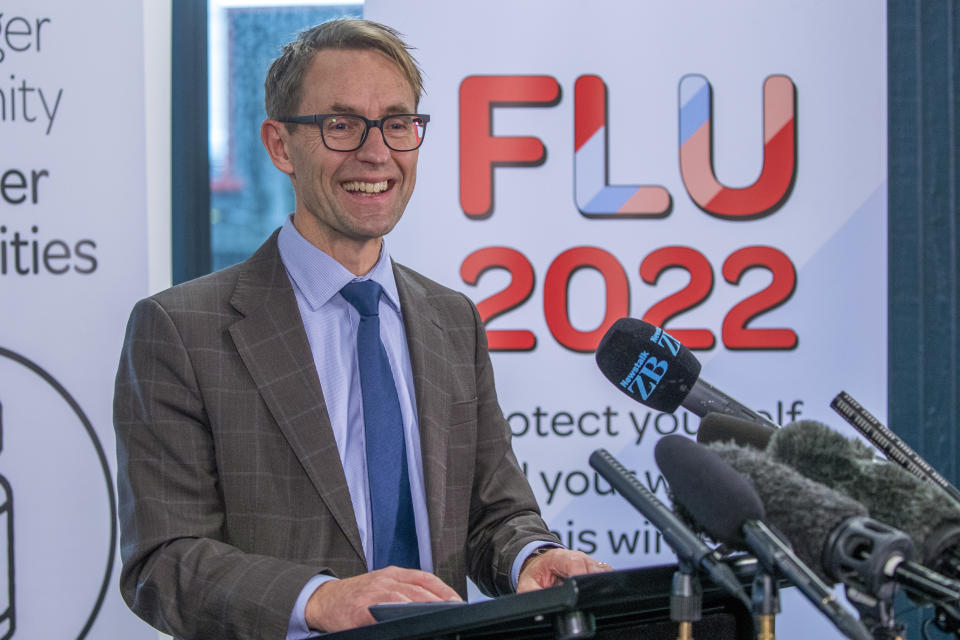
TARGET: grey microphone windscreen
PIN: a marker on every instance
(804, 511)
(891, 494)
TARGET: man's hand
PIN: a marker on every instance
(342, 604)
(549, 568)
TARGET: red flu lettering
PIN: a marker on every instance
(772, 186)
(480, 150)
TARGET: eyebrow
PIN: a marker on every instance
(395, 108)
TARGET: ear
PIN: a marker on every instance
(273, 134)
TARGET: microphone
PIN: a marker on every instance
(655, 369)
(774, 486)
(830, 531)
(890, 494)
(889, 443)
(688, 547)
(730, 510)
(718, 427)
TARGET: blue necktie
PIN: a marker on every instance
(394, 530)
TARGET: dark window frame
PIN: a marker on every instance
(189, 156)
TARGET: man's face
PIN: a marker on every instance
(357, 195)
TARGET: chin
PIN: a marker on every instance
(374, 229)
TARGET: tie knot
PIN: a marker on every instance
(364, 296)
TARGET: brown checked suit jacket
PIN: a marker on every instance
(232, 494)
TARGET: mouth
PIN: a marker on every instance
(357, 187)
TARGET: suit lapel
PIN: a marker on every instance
(273, 345)
(425, 343)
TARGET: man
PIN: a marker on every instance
(251, 438)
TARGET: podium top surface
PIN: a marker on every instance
(624, 597)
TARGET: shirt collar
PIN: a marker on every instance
(318, 277)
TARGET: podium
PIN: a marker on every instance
(632, 603)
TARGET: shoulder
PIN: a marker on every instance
(196, 310)
(226, 292)
(203, 293)
(416, 288)
(441, 317)
(243, 283)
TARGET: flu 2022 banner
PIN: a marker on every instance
(718, 169)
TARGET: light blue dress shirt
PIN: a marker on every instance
(331, 326)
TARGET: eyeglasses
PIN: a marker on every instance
(348, 131)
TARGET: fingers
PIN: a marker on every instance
(429, 583)
(550, 568)
(343, 604)
(600, 567)
(574, 563)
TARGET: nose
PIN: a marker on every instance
(374, 149)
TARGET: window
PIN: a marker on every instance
(249, 198)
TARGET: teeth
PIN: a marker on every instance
(366, 187)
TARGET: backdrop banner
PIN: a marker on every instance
(72, 262)
(715, 168)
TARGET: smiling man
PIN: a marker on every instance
(316, 430)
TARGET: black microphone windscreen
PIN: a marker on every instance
(890, 493)
(720, 427)
(719, 499)
(647, 363)
(804, 511)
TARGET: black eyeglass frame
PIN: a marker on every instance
(317, 118)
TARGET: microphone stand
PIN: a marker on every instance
(686, 599)
(947, 618)
(766, 602)
(686, 594)
(876, 613)
(858, 554)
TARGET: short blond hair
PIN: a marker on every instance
(283, 88)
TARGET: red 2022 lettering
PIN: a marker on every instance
(734, 330)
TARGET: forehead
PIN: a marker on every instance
(359, 79)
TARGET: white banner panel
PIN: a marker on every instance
(716, 168)
(72, 262)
